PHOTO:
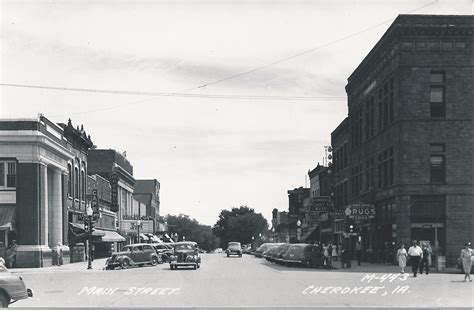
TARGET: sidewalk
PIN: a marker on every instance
(97, 264)
(382, 268)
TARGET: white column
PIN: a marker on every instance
(44, 218)
(56, 209)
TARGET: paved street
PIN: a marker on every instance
(246, 281)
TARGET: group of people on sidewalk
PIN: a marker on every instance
(420, 257)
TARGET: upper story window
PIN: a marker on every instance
(69, 180)
(76, 183)
(7, 174)
(437, 163)
(437, 94)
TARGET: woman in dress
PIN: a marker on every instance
(402, 258)
(466, 254)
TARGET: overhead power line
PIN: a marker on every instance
(301, 53)
(159, 94)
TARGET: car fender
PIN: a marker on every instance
(122, 257)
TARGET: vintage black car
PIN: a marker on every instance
(185, 254)
(306, 255)
(133, 255)
(234, 248)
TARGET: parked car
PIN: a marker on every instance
(302, 254)
(185, 254)
(12, 288)
(271, 251)
(234, 248)
(259, 251)
(278, 256)
(164, 251)
(133, 255)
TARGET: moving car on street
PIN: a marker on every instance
(137, 254)
(234, 248)
(185, 254)
(12, 288)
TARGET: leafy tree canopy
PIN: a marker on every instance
(239, 224)
(183, 225)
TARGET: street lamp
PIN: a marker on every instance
(139, 223)
(89, 213)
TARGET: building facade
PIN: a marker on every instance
(298, 199)
(409, 137)
(37, 158)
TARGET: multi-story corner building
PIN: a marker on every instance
(318, 219)
(42, 182)
(409, 136)
(114, 167)
(298, 199)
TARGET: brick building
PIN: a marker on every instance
(409, 136)
(298, 199)
(133, 221)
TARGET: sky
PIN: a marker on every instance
(246, 93)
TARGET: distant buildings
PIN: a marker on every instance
(402, 159)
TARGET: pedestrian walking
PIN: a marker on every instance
(330, 249)
(358, 252)
(59, 252)
(326, 256)
(402, 258)
(466, 257)
(334, 252)
(424, 262)
(11, 254)
(415, 254)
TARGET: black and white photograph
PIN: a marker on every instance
(237, 154)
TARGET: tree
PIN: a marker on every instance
(239, 224)
(189, 228)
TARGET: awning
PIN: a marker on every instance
(309, 232)
(6, 216)
(96, 232)
(144, 237)
(112, 236)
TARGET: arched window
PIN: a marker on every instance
(76, 183)
(83, 184)
(69, 180)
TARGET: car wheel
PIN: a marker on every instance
(195, 266)
(154, 261)
(199, 265)
(228, 255)
(4, 300)
(125, 263)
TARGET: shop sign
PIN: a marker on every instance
(360, 211)
(337, 214)
(114, 192)
(321, 203)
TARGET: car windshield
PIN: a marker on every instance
(234, 244)
(184, 247)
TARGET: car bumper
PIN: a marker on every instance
(183, 264)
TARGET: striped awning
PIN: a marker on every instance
(6, 216)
